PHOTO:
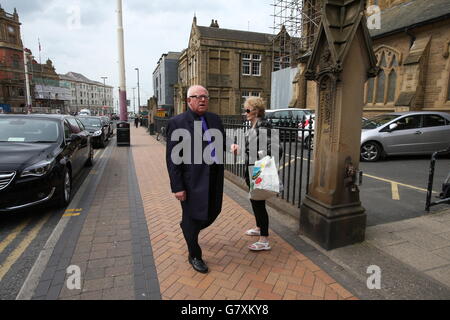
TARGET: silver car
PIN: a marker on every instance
(404, 133)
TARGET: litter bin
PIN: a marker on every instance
(152, 129)
(123, 134)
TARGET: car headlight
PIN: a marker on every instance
(39, 169)
(97, 133)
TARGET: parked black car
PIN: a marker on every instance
(97, 128)
(40, 155)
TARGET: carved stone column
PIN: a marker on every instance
(341, 61)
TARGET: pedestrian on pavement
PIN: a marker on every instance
(136, 121)
(199, 187)
(255, 112)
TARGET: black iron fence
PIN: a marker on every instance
(295, 139)
(161, 127)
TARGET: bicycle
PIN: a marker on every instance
(161, 133)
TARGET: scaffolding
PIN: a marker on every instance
(300, 19)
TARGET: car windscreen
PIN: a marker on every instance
(91, 122)
(378, 121)
(28, 130)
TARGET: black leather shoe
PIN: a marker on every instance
(198, 265)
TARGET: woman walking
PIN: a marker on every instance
(255, 113)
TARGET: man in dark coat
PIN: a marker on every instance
(196, 181)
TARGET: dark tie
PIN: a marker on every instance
(208, 137)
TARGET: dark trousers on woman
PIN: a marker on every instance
(192, 227)
(261, 215)
(259, 209)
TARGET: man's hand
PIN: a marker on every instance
(234, 149)
(181, 196)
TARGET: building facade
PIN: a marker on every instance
(165, 77)
(12, 74)
(231, 64)
(88, 94)
(51, 95)
(412, 49)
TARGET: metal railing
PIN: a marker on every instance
(295, 139)
(443, 198)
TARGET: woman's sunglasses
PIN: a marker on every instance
(248, 110)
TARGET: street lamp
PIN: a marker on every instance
(104, 92)
(139, 91)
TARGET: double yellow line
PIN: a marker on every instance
(394, 184)
(22, 246)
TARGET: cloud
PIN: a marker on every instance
(81, 35)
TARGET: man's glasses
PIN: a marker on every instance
(200, 97)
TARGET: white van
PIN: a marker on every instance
(85, 112)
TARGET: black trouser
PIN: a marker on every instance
(192, 227)
(261, 215)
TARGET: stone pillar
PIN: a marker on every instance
(332, 214)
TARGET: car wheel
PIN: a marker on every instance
(65, 189)
(90, 160)
(371, 152)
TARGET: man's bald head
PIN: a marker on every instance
(198, 99)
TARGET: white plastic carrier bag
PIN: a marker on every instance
(264, 179)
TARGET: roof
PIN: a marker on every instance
(38, 116)
(236, 35)
(411, 14)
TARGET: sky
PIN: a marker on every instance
(81, 35)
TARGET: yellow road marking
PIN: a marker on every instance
(10, 238)
(72, 212)
(395, 193)
(20, 249)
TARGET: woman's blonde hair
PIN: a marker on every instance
(257, 103)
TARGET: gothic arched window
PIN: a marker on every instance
(383, 88)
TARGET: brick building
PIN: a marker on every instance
(232, 64)
(12, 75)
(88, 94)
(165, 77)
(51, 95)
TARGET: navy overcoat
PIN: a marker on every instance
(194, 178)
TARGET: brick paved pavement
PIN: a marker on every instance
(108, 240)
(236, 273)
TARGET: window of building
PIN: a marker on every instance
(251, 64)
(433, 120)
(448, 93)
(383, 88)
